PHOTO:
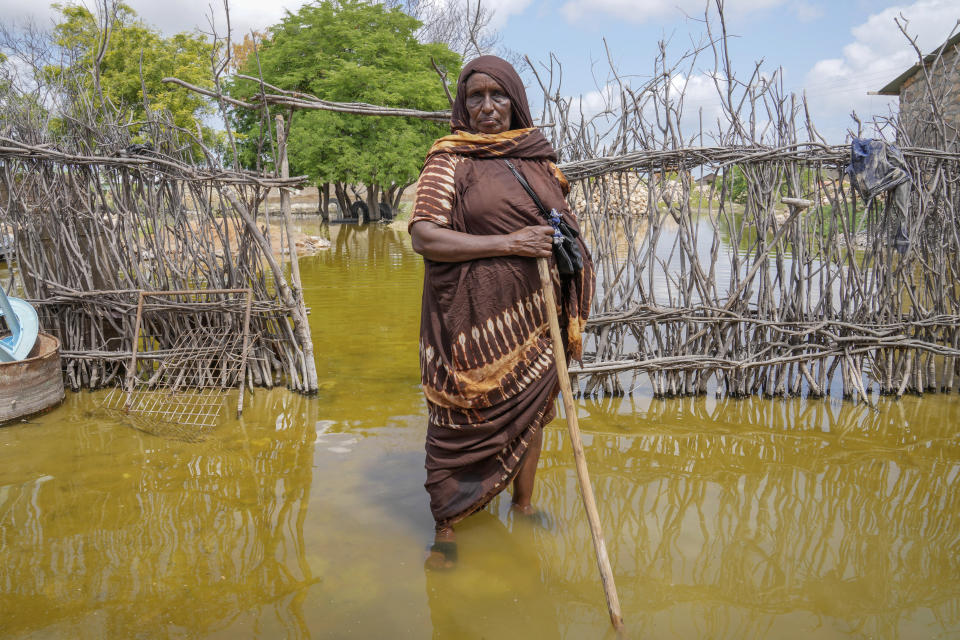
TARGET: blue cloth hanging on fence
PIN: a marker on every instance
(877, 167)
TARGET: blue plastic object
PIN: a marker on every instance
(24, 326)
(876, 167)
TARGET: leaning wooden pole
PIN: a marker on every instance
(583, 476)
(294, 304)
(132, 367)
(309, 366)
(242, 384)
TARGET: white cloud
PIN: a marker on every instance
(592, 103)
(878, 54)
(170, 16)
(701, 105)
(806, 11)
(701, 102)
(503, 9)
(642, 11)
(173, 16)
(16, 11)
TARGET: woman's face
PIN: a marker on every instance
(488, 105)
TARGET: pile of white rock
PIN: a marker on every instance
(630, 193)
(830, 191)
(626, 193)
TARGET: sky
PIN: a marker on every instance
(835, 51)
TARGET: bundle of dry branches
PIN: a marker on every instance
(709, 273)
(92, 232)
(104, 210)
(708, 280)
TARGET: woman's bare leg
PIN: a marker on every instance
(523, 483)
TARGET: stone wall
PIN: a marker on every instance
(920, 126)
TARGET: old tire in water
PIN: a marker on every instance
(360, 211)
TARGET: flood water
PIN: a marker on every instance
(307, 518)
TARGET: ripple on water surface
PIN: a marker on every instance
(308, 518)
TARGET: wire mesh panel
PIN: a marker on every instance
(191, 347)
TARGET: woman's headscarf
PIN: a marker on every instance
(507, 77)
(522, 140)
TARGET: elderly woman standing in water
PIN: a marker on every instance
(486, 358)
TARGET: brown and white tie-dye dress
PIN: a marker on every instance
(486, 356)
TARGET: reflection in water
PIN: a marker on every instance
(750, 516)
(489, 596)
(134, 527)
(724, 519)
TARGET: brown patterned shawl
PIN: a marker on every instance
(486, 357)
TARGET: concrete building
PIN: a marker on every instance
(930, 110)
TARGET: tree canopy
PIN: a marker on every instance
(132, 46)
(351, 51)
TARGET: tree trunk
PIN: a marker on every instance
(342, 199)
(395, 203)
(373, 202)
(325, 202)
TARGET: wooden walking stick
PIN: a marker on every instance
(583, 476)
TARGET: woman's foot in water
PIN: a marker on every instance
(523, 509)
(443, 552)
(530, 514)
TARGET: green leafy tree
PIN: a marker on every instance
(136, 57)
(23, 114)
(351, 51)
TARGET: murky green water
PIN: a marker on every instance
(724, 519)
